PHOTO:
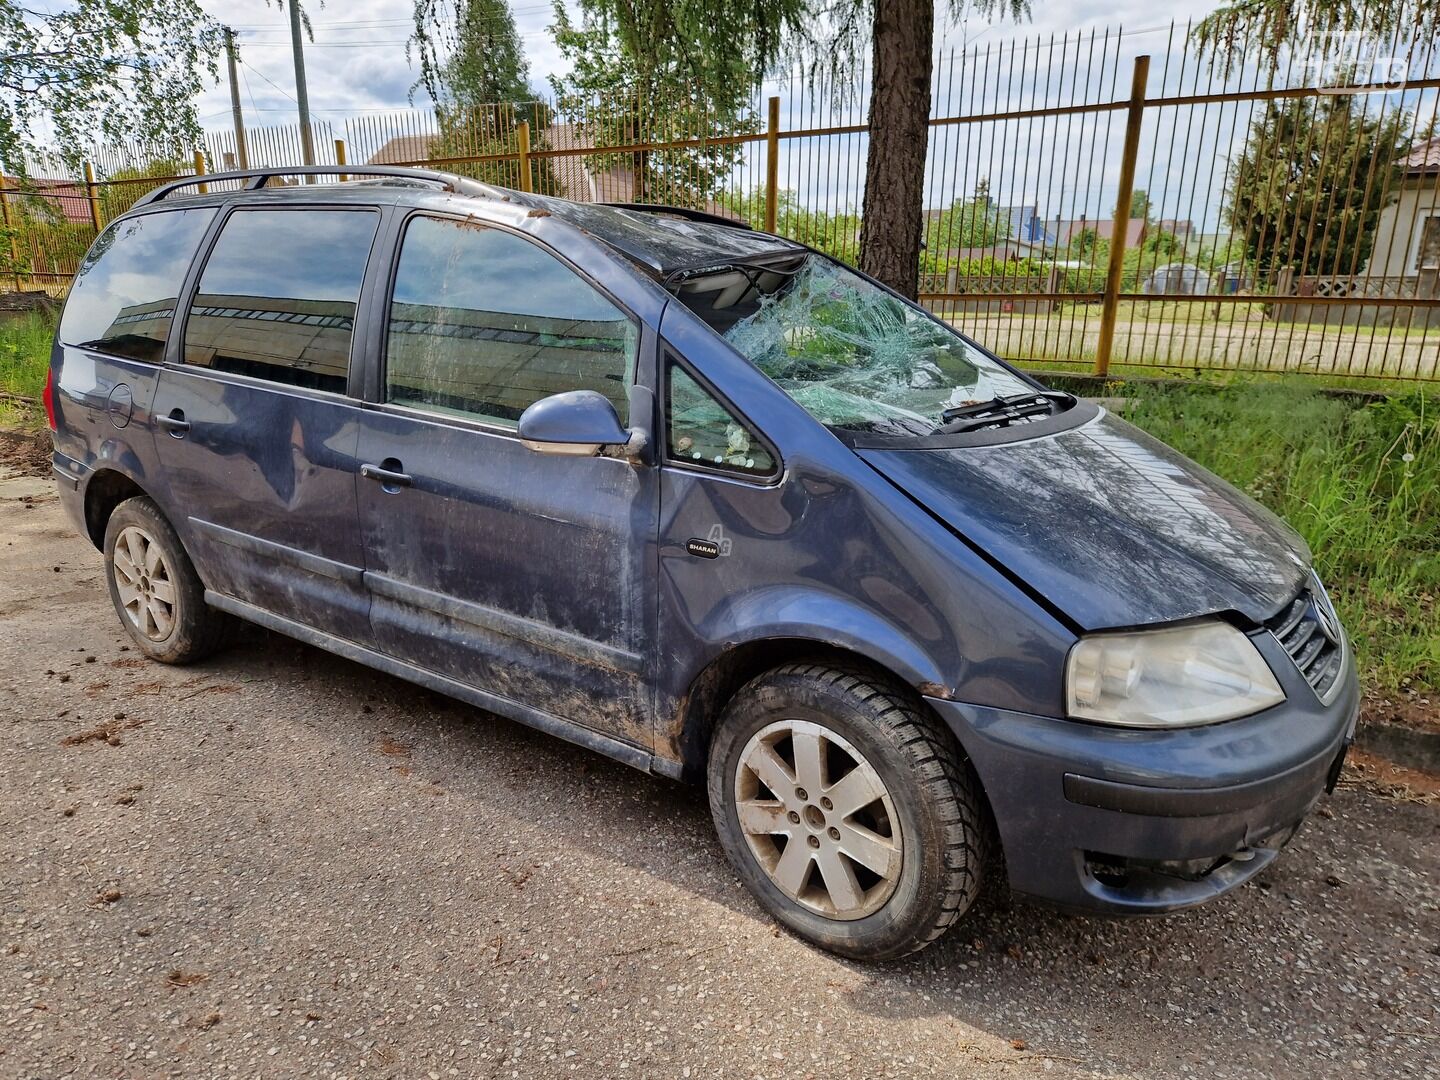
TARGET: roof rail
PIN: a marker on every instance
(683, 212)
(258, 178)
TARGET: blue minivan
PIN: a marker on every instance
(714, 504)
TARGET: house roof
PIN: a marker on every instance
(1104, 228)
(1181, 227)
(1424, 159)
(578, 180)
(403, 149)
(67, 196)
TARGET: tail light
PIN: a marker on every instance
(49, 398)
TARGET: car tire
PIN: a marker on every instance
(154, 587)
(895, 857)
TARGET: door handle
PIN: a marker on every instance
(175, 423)
(388, 478)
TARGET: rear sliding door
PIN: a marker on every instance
(258, 431)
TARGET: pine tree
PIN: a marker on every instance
(475, 71)
(1311, 182)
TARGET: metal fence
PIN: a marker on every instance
(1097, 201)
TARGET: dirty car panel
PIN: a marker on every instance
(812, 467)
(1109, 524)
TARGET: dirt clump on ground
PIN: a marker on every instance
(1410, 708)
(25, 452)
(27, 301)
(1388, 778)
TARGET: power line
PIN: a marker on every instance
(268, 80)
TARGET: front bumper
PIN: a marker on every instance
(1125, 821)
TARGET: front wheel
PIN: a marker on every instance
(847, 810)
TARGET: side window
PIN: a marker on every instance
(483, 324)
(701, 431)
(1428, 255)
(278, 293)
(123, 297)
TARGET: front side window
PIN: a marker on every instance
(851, 354)
(483, 324)
(703, 432)
(277, 296)
(123, 297)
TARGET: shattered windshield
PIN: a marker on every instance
(846, 351)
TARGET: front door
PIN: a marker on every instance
(255, 429)
(524, 575)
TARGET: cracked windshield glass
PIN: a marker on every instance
(849, 353)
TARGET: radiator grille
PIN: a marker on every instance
(1310, 633)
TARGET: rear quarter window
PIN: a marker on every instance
(277, 297)
(123, 297)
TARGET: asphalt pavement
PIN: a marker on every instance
(279, 863)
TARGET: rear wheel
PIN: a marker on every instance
(154, 587)
(847, 810)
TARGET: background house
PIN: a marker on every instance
(1026, 224)
(1064, 230)
(1407, 240)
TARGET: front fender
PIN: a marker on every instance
(793, 614)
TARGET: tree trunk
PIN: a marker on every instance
(894, 206)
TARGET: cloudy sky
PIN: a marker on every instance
(357, 62)
(1066, 167)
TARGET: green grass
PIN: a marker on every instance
(24, 358)
(1361, 483)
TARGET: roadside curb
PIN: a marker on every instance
(1401, 745)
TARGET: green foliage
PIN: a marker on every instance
(1158, 248)
(494, 129)
(1324, 161)
(621, 95)
(1139, 205)
(470, 54)
(129, 183)
(699, 41)
(837, 235)
(989, 266)
(24, 359)
(41, 240)
(98, 68)
(474, 69)
(967, 223)
(1239, 30)
(1361, 483)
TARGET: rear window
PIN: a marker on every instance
(123, 298)
(277, 296)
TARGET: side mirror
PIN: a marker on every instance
(577, 423)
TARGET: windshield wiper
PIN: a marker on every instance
(1003, 411)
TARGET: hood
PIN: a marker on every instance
(1111, 526)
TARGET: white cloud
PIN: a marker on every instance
(355, 65)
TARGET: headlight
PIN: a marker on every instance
(1175, 677)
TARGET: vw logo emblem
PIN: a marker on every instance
(1329, 625)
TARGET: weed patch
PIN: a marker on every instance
(24, 359)
(1361, 484)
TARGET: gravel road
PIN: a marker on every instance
(280, 863)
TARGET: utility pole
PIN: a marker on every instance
(302, 95)
(242, 156)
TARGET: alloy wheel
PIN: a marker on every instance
(144, 583)
(818, 819)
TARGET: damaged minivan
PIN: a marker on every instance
(711, 503)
